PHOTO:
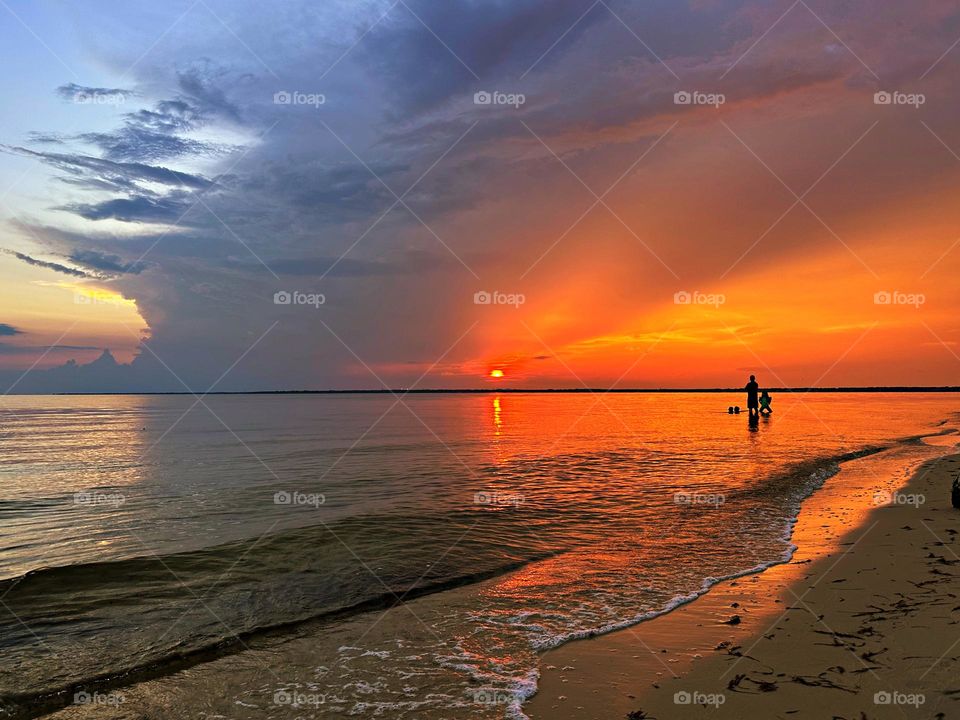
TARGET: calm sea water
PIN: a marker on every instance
(142, 534)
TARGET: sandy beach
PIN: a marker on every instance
(862, 623)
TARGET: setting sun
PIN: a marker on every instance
(496, 373)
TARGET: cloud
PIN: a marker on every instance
(8, 330)
(495, 198)
(139, 143)
(107, 263)
(83, 93)
(100, 173)
(8, 349)
(199, 84)
(140, 209)
(56, 267)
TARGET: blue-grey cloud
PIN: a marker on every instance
(199, 84)
(86, 94)
(56, 267)
(133, 209)
(8, 330)
(138, 143)
(107, 173)
(106, 263)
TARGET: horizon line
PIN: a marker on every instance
(488, 391)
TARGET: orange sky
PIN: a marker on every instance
(787, 215)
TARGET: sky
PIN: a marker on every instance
(211, 195)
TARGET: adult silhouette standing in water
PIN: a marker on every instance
(753, 402)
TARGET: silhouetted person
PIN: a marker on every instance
(765, 401)
(753, 404)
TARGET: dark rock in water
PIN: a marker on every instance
(955, 492)
(734, 620)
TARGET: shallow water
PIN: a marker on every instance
(136, 530)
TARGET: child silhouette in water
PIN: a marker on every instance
(765, 401)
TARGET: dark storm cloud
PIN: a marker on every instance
(8, 330)
(8, 349)
(138, 143)
(407, 262)
(57, 267)
(107, 173)
(134, 209)
(420, 71)
(107, 263)
(210, 100)
(339, 192)
(499, 43)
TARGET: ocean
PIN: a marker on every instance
(361, 555)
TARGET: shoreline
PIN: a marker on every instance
(721, 651)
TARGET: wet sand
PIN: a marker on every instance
(862, 623)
